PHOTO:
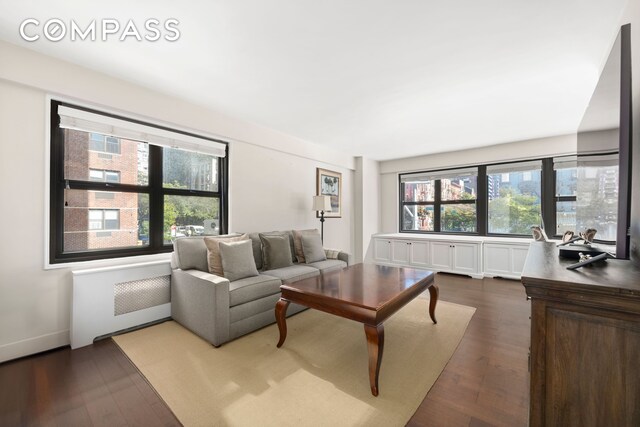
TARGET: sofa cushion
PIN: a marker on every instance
(190, 253)
(252, 288)
(293, 273)
(276, 251)
(328, 265)
(237, 260)
(312, 248)
(213, 251)
(297, 242)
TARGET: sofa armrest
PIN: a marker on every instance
(338, 254)
(200, 302)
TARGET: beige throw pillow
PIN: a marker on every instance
(297, 242)
(213, 251)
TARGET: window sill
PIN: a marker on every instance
(111, 262)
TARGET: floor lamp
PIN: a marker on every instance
(322, 204)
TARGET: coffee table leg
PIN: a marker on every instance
(375, 345)
(281, 312)
(433, 293)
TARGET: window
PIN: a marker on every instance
(440, 201)
(162, 184)
(104, 143)
(514, 204)
(104, 219)
(566, 183)
(597, 195)
(104, 176)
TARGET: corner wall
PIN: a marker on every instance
(272, 181)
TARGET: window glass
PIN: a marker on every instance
(190, 216)
(565, 217)
(188, 170)
(84, 163)
(417, 218)
(597, 201)
(514, 203)
(566, 182)
(458, 218)
(419, 191)
(91, 222)
(459, 188)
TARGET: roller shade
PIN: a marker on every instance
(514, 167)
(598, 160)
(429, 176)
(566, 162)
(73, 118)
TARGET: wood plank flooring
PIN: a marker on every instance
(485, 383)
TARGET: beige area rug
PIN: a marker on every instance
(318, 378)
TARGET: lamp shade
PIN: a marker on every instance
(322, 203)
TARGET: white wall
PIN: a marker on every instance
(272, 180)
(530, 149)
(366, 205)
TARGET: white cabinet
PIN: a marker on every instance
(400, 252)
(442, 256)
(504, 259)
(420, 253)
(456, 257)
(382, 250)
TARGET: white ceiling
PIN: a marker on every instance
(379, 78)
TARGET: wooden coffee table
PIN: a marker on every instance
(366, 293)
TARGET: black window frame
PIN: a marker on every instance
(548, 201)
(154, 188)
(437, 203)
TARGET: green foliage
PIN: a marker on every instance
(513, 212)
(460, 217)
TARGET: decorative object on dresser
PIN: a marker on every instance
(322, 204)
(329, 183)
(585, 341)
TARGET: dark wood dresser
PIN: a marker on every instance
(585, 341)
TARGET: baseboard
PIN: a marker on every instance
(33, 345)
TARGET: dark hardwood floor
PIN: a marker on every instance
(485, 383)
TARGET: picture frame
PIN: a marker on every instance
(329, 183)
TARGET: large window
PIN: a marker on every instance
(440, 201)
(122, 188)
(514, 201)
(562, 194)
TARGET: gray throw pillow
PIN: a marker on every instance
(276, 251)
(237, 260)
(312, 248)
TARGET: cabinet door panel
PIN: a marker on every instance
(518, 256)
(497, 259)
(441, 256)
(400, 252)
(420, 254)
(382, 250)
(465, 258)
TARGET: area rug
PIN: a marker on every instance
(319, 377)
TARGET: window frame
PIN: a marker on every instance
(154, 189)
(437, 203)
(548, 200)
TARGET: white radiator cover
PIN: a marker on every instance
(93, 305)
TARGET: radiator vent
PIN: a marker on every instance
(140, 294)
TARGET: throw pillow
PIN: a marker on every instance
(297, 242)
(237, 260)
(312, 248)
(276, 252)
(288, 235)
(213, 251)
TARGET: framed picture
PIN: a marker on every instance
(329, 183)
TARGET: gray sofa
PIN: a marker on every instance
(218, 310)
